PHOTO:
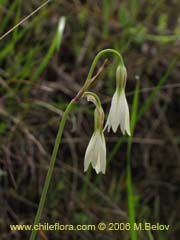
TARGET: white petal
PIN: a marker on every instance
(97, 167)
(89, 155)
(113, 120)
(116, 121)
(97, 144)
(103, 156)
(124, 114)
(96, 153)
(127, 121)
(100, 164)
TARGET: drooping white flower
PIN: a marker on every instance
(119, 114)
(119, 110)
(96, 150)
(96, 153)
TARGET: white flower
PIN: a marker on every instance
(96, 152)
(119, 110)
(119, 113)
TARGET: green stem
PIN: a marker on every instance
(104, 51)
(51, 167)
(131, 207)
(98, 113)
(130, 192)
(95, 96)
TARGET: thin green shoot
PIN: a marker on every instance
(131, 202)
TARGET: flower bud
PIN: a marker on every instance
(121, 77)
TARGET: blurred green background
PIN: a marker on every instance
(41, 70)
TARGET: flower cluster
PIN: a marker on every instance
(118, 117)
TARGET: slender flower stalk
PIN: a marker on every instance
(51, 167)
(96, 150)
(99, 55)
(119, 110)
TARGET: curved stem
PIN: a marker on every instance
(95, 96)
(98, 113)
(51, 167)
(105, 51)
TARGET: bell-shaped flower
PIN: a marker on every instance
(96, 153)
(119, 110)
(96, 150)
